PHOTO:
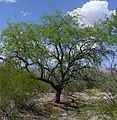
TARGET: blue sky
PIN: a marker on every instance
(26, 10)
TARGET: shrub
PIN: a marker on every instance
(74, 87)
(16, 88)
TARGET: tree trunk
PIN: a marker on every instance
(57, 96)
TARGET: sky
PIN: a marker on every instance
(31, 10)
(91, 12)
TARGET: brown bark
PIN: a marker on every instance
(57, 96)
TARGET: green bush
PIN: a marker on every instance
(74, 87)
(108, 84)
(99, 110)
(16, 88)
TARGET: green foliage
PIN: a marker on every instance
(97, 107)
(113, 28)
(24, 38)
(109, 29)
(16, 88)
(99, 110)
(75, 87)
(108, 83)
(55, 113)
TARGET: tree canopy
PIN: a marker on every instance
(54, 51)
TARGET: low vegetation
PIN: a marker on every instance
(16, 89)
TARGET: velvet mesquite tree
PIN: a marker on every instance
(53, 51)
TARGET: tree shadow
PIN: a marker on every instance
(42, 110)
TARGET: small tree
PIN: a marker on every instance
(54, 51)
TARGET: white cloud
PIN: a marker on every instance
(10, 1)
(91, 12)
(25, 13)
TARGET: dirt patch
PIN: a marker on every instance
(42, 107)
